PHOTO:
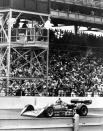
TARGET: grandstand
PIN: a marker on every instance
(72, 12)
(37, 61)
(24, 47)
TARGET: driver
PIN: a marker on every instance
(60, 102)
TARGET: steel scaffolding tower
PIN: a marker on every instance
(24, 51)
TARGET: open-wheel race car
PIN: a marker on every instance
(58, 109)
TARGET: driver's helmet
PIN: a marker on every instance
(59, 101)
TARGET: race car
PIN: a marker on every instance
(58, 109)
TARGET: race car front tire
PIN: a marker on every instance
(27, 108)
(82, 110)
(49, 112)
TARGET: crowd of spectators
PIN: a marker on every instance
(75, 68)
(76, 73)
(82, 39)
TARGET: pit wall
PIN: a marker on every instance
(20, 102)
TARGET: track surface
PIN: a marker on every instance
(15, 114)
(10, 119)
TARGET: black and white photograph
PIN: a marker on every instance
(51, 65)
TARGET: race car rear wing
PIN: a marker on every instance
(86, 102)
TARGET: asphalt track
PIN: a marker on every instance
(10, 120)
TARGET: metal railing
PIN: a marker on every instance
(3, 36)
(29, 35)
(25, 35)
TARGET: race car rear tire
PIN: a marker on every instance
(82, 110)
(49, 112)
